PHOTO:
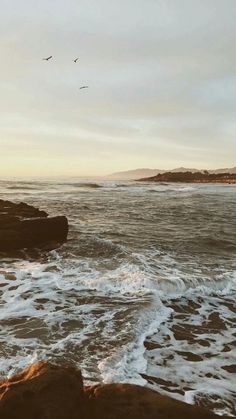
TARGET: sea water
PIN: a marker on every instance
(143, 291)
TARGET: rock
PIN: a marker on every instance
(23, 226)
(43, 391)
(21, 210)
(119, 401)
(192, 177)
(46, 391)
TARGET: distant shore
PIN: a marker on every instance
(190, 177)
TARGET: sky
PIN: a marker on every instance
(161, 77)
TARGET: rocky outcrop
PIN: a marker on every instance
(24, 226)
(45, 391)
(191, 177)
(119, 401)
(42, 391)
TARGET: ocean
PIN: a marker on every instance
(143, 291)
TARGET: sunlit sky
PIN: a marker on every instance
(161, 77)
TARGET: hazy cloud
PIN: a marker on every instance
(162, 85)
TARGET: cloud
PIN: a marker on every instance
(161, 76)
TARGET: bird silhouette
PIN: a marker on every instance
(48, 58)
(75, 61)
(83, 87)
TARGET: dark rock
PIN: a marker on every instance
(44, 230)
(22, 210)
(192, 177)
(230, 368)
(42, 391)
(45, 391)
(119, 401)
(23, 226)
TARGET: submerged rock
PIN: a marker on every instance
(24, 226)
(45, 391)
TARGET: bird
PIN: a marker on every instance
(75, 61)
(48, 58)
(83, 87)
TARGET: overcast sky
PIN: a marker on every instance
(161, 76)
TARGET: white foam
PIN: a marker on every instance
(97, 307)
(128, 362)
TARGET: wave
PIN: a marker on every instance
(30, 188)
(128, 363)
(172, 189)
(87, 185)
(96, 301)
(96, 247)
(112, 268)
(155, 188)
(89, 302)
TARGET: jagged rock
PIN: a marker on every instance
(24, 226)
(45, 391)
(21, 210)
(42, 391)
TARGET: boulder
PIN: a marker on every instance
(46, 391)
(21, 210)
(24, 226)
(119, 401)
(42, 391)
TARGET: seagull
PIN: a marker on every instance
(48, 58)
(83, 87)
(75, 61)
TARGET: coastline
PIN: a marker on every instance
(191, 177)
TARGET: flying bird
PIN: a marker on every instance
(83, 87)
(75, 61)
(48, 58)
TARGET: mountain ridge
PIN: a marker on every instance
(147, 172)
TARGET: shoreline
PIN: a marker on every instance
(58, 392)
(190, 177)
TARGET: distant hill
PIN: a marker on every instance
(134, 174)
(231, 170)
(146, 172)
(183, 170)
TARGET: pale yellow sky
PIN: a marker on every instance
(161, 76)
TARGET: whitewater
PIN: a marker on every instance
(143, 291)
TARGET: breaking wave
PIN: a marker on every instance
(143, 292)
